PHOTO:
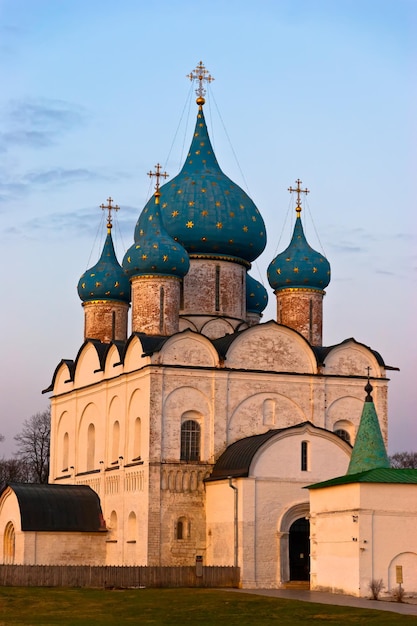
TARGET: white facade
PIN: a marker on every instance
(362, 532)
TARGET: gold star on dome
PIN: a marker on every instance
(278, 270)
(144, 257)
(245, 229)
(219, 225)
(179, 191)
(190, 224)
(315, 270)
(141, 231)
(253, 218)
(296, 270)
(232, 213)
(217, 203)
(203, 190)
(165, 257)
(98, 284)
(150, 218)
(128, 259)
(197, 151)
(83, 285)
(164, 205)
(191, 203)
(117, 284)
(174, 213)
(204, 213)
(155, 245)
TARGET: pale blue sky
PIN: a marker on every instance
(94, 93)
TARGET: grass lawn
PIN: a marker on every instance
(176, 607)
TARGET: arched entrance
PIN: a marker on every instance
(294, 544)
(299, 549)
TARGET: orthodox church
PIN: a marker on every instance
(195, 432)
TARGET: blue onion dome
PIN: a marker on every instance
(299, 266)
(106, 280)
(256, 295)
(154, 251)
(206, 211)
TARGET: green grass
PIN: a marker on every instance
(174, 607)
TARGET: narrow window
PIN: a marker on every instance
(113, 325)
(161, 308)
(190, 441)
(304, 456)
(182, 294)
(137, 440)
(217, 290)
(311, 321)
(131, 528)
(180, 529)
(65, 452)
(91, 442)
(116, 440)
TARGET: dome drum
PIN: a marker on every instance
(105, 320)
(155, 304)
(215, 287)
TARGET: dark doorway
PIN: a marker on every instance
(299, 548)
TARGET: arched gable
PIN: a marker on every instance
(351, 358)
(271, 347)
(134, 356)
(63, 377)
(281, 456)
(189, 348)
(88, 364)
(113, 363)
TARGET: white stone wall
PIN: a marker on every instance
(361, 532)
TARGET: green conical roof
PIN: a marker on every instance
(369, 450)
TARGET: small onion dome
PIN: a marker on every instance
(299, 265)
(154, 251)
(106, 280)
(206, 211)
(256, 295)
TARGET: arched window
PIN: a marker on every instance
(65, 452)
(190, 441)
(91, 445)
(182, 528)
(343, 434)
(115, 442)
(131, 528)
(137, 439)
(9, 542)
(113, 525)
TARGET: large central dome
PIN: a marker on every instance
(206, 211)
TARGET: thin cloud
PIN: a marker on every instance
(38, 123)
(82, 223)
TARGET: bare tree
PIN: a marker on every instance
(404, 460)
(14, 471)
(33, 445)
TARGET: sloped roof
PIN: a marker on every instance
(380, 475)
(59, 508)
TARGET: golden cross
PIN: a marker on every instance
(298, 191)
(157, 175)
(200, 74)
(109, 208)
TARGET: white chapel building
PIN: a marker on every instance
(195, 432)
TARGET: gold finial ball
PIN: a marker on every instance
(200, 101)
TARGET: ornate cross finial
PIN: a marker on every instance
(298, 191)
(109, 207)
(200, 74)
(157, 175)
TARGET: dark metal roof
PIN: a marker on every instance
(380, 475)
(59, 508)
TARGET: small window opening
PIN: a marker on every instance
(217, 290)
(304, 456)
(161, 308)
